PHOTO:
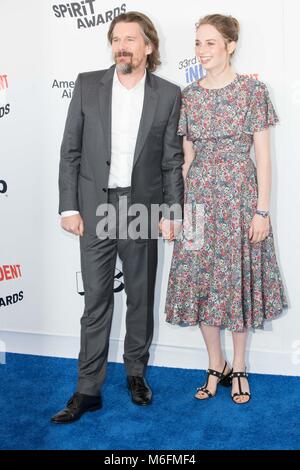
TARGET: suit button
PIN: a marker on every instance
(104, 190)
(107, 163)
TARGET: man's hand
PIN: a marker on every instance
(169, 228)
(73, 224)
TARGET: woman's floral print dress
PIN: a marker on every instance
(228, 282)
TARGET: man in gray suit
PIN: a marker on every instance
(119, 141)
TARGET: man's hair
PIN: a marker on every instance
(148, 31)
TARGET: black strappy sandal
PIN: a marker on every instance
(238, 375)
(225, 381)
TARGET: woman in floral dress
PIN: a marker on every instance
(232, 281)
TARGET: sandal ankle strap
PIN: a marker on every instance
(215, 373)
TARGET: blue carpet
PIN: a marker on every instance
(33, 388)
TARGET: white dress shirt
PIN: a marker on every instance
(127, 106)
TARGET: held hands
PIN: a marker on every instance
(185, 170)
(259, 229)
(73, 224)
(169, 229)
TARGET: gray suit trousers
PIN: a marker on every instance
(98, 261)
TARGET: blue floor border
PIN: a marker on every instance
(33, 388)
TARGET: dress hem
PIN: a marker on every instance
(252, 325)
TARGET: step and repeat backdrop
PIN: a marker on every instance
(44, 45)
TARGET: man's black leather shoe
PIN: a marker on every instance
(140, 391)
(76, 406)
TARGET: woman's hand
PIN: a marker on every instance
(170, 229)
(259, 229)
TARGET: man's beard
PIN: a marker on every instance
(124, 67)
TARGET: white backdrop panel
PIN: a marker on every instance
(42, 50)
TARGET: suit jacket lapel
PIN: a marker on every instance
(148, 113)
(105, 97)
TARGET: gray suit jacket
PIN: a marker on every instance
(86, 146)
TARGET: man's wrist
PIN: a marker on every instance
(69, 213)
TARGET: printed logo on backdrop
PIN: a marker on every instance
(4, 105)
(118, 282)
(64, 87)
(87, 13)
(193, 70)
(8, 273)
(3, 188)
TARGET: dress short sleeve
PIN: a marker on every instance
(184, 121)
(261, 113)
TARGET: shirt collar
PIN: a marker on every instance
(139, 85)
